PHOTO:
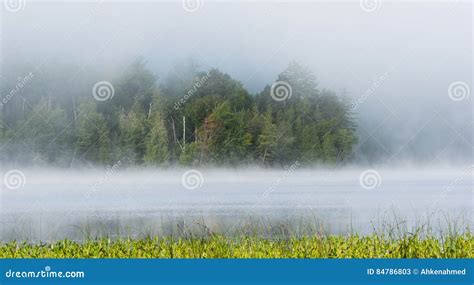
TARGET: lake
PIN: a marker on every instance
(52, 204)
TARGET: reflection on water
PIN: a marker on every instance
(84, 204)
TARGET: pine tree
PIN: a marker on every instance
(329, 149)
(345, 141)
(44, 132)
(310, 146)
(156, 141)
(267, 141)
(92, 135)
(133, 130)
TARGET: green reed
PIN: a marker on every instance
(220, 246)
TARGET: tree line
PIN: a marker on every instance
(191, 118)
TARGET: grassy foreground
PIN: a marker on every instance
(217, 246)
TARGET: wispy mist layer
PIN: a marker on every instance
(396, 62)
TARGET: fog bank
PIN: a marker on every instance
(395, 63)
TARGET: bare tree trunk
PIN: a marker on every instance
(149, 110)
(184, 133)
(174, 132)
(49, 101)
(73, 157)
(74, 110)
(264, 156)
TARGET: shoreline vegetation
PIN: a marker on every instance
(219, 246)
(194, 118)
(391, 240)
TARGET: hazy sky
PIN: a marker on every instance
(419, 49)
(345, 46)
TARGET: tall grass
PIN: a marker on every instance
(389, 238)
(219, 246)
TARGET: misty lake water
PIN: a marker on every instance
(79, 204)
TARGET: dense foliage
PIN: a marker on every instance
(191, 117)
(409, 246)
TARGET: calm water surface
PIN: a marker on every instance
(55, 204)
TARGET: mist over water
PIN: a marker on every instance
(57, 204)
(412, 165)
